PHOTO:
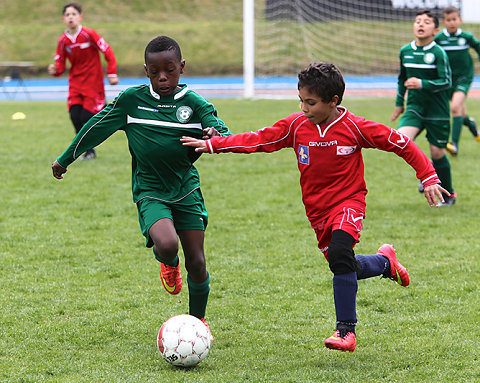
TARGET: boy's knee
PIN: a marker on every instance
(456, 110)
(166, 249)
(75, 113)
(341, 259)
(196, 265)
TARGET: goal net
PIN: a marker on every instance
(362, 37)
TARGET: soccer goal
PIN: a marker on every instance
(362, 37)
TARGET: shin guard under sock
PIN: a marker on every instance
(457, 123)
(442, 167)
(345, 296)
(198, 297)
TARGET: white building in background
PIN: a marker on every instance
(471, 11)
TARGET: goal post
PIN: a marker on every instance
(248, 48)
(362, 37)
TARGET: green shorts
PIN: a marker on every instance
(438, 130)
(460, 84)
(187, 214)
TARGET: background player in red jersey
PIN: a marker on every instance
(327, 140)
(80, 45)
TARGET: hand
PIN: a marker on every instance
(113, 80)
(432, 192)
(209, 133)
(413, 83)
(52, 69)
(397, 112)
(58, 170)
(199, 145)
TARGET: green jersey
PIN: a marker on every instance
(430, 64)
(457, 47)
(162, 168)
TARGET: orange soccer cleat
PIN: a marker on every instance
(171, 278)
(398, 273)
(346, 343)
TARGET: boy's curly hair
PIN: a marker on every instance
(323, 79)
(161, 44)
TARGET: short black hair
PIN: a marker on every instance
(77, 6)
(450, 9)
(430, 14)
(161, 44)
(323, 79)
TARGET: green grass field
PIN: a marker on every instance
(82, 302)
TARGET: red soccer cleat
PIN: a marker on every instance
(336, 342)
(171, 278)
(398, 273)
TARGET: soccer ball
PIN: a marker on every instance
(184, 340)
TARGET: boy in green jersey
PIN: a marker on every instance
(425, 72)
(165, 184)
(456, 43)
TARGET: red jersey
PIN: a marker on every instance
(329, 155)
(86, 71)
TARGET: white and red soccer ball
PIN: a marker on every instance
(184, 340)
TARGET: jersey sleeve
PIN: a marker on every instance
(266, 140)
(107, 51)
(474, 43)
(379, 136)
(60, 58)
(444, 73)
(401, 89)
(96, 130)
(209, 118)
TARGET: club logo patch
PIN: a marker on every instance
(462, 41)
(429, 58)
(303, 155)
(184, 113)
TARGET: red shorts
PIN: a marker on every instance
(347, 217)
(91, 103)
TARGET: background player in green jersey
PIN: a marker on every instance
(165, 184)
(426, 74)
(456, 43)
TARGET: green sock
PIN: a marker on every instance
(169, 262)
(442, 167)
(198, 296)
(467, 121)
(457, 129)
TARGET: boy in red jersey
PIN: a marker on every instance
(327, 140)
(86, 93)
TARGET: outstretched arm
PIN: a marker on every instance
(58, 170)
(199, 145)
(432, 192)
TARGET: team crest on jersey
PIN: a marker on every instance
(462, 41)
(429, 58)
(303, 155)
(184, 113)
